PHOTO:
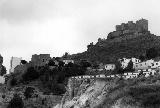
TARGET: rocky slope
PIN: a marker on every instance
(116, 93)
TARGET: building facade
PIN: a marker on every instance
(109, 67)
(15, 61)
(40, 60)
(124, 61)
(143, 65)
(68, 61)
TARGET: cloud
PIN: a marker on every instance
(22, 10)
(56, 26)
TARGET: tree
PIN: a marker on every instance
(130, 66)
(66, 55)
(23, 61)
(70, 64)
(51, 62)
(12, 82)
(61, 63)
(3, 71)
(30, 75)
(119, 69)
(16, 102)
(142, 58)
(85, 64)
(29, 91)
(151, 53)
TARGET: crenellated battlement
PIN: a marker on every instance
(130, 28)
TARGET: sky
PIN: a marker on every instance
(57, 26)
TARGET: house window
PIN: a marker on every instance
(43, 60)
(156, 63)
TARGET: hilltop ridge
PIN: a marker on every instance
(129, 40)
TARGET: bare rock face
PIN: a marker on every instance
(88, 96)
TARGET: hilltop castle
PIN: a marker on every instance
(130, 28)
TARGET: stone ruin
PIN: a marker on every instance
(130, 28)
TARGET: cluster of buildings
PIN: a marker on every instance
(37, 61)
(130, 28)
(137, 64)
(128, 75)
(146, 68)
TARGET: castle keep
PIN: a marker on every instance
(130, 28)
(40, 60)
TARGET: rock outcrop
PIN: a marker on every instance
(115, 93)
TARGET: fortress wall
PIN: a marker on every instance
(122, 38)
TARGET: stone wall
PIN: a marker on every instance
(40, 60)
(130, 28)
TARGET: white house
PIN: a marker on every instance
(143, 65)
(110, 67)
(135, 61)
(124, 61)
(155, 65)
(68, 61)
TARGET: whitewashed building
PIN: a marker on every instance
(155, 65)
(135, 60)
(110, 67)
(143, 65)
(124, 61)
(68, 61)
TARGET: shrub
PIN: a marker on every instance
(16, 102)
(58, 89)
(3, 71)
(29, 91)
(13, 82)
(151, 53)
(30, 75)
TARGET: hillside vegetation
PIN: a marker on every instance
(108, 52)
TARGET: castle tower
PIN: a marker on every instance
(15, 61)
(142, 25)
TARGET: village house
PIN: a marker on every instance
(124, 61)
(110, 67)
(68, 61)
(143, 65)
(155, 65)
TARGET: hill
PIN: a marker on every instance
(128, 40)
(108, 51)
